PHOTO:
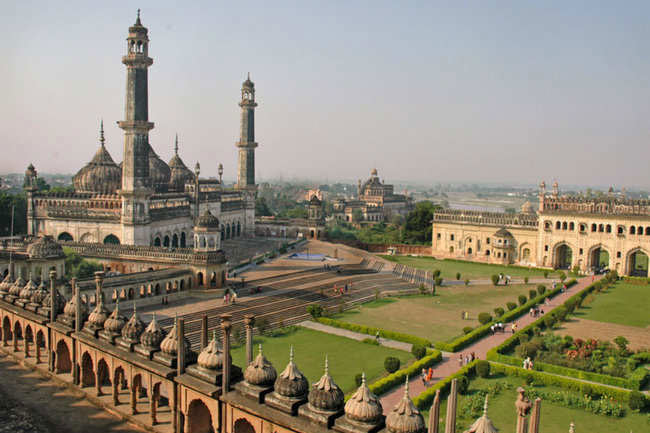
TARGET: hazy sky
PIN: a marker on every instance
(425, 91)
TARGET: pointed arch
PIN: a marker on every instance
(199, 418)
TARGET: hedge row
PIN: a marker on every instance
(571, 384)
(397, 336)
(528, 268)
(389, 382)
(478, 333)
(425, 398)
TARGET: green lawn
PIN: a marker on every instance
(624, 304)
(554, 418)
(449, 268)
(436, 318)
(346, 357)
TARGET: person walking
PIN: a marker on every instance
(377, 337)
(423, 375)
(460, 360)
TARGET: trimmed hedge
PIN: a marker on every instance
(389, 382)
(571, 384)
(397, 336)
(478, 333)
(425, 398)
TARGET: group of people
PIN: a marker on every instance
(255, 289)
(427, 376)
(528, 364)
(497, 327)
(464, 359)
(230, 298)
(165, 300)
(343, 289)
(506, 279)
(536, 311)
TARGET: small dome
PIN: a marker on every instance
(208, 220)
(31, 171)
(260, 372)
(291, 382)
(6, 283)
(99, 314)
(17, 287)
(503, 233)
(70, 308)
(29, 289)
(325, 394)
(39, 294)
(211, 357)
(364, 406)
(101, 175)
(153, 335)
(115, 321)
(483, 424)
(45, 247)
(59, 301)
(169, 343)
(405, 417)
(527, 207)
(133, 328)
(180, 174)
(159, 172)
(248, 83)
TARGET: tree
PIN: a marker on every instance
(417, 229)
(19, 204)
(262, 208)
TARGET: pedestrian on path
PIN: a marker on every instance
(377, 337)
(430, 374)
(424, 377)
(460, 360)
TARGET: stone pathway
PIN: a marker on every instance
(355, 335)
(450, 362)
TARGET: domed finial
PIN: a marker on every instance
(176, 145)
(102, 140)
(406, 387)
(249, 76)
(327, 366)
(291, 355)
(137, 21)
(485, 405)
(363, 378)
(117, 305)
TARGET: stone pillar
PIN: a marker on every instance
(153, 406)
(534, 418)
(175, 408)
(115, 390)
(50, 358)
(434, 414)
(226, 325)
(98, 383)
(15, 340)
(38, 350)
(77, 328)
(25, 345)
(134, 399)
(452, 401)
(180, 346)
(204, 331)
(523, 407)
(249, 322)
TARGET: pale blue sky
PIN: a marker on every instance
(426, 91)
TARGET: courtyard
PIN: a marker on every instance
(436, 318)
(347, 357)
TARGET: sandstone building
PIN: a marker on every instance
(566, 232)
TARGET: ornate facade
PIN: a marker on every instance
(143, 200)
(566, 232)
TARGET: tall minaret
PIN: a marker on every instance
(247, 144)
(136, 184)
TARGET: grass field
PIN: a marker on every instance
(623, 304)
(346, 357)
(449, 268)
(554, 418)
(436, 318)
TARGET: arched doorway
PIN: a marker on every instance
(103, 375)
(65, 236)
(228, 231)
(6, 330)
(563, 257)
(599, 258)
(156, 242)
(111, 240)
(199, 418)
(87, 372)
(638, 264)
(199, 279)
(175, 241)
(183, 240)
(166, 242)
(29, 338)
(63, 363)
(243, 426)
(18, 334)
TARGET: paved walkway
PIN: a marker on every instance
(354, 335)
(450, 362)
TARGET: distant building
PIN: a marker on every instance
(568, 231)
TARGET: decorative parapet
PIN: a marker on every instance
(147, 253)
(499, 219)
(595, 206)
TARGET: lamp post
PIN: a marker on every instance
(220, 171)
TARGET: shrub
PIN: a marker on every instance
(357, 379)
(398, 336)
(511, 306)
(463, 384)
(522, 299)
(418, 351)
(467, 330)
(498, 312)
(389, 382)
(495, 279)
(467, 281)
(525, 280)
(545, 274)
(621, 342)
(315, 310)
(483, 368)
(372, 341)
(562, 276)
(262, 325)
(637, 401)
(458, 276)
(549, 321)
(561, 312)
(541, 289)
(391, 364)
(423, 289)
(438, 281)
(532, 294)
(484, 318)
(436, 273)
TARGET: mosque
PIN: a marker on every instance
(144, 201)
